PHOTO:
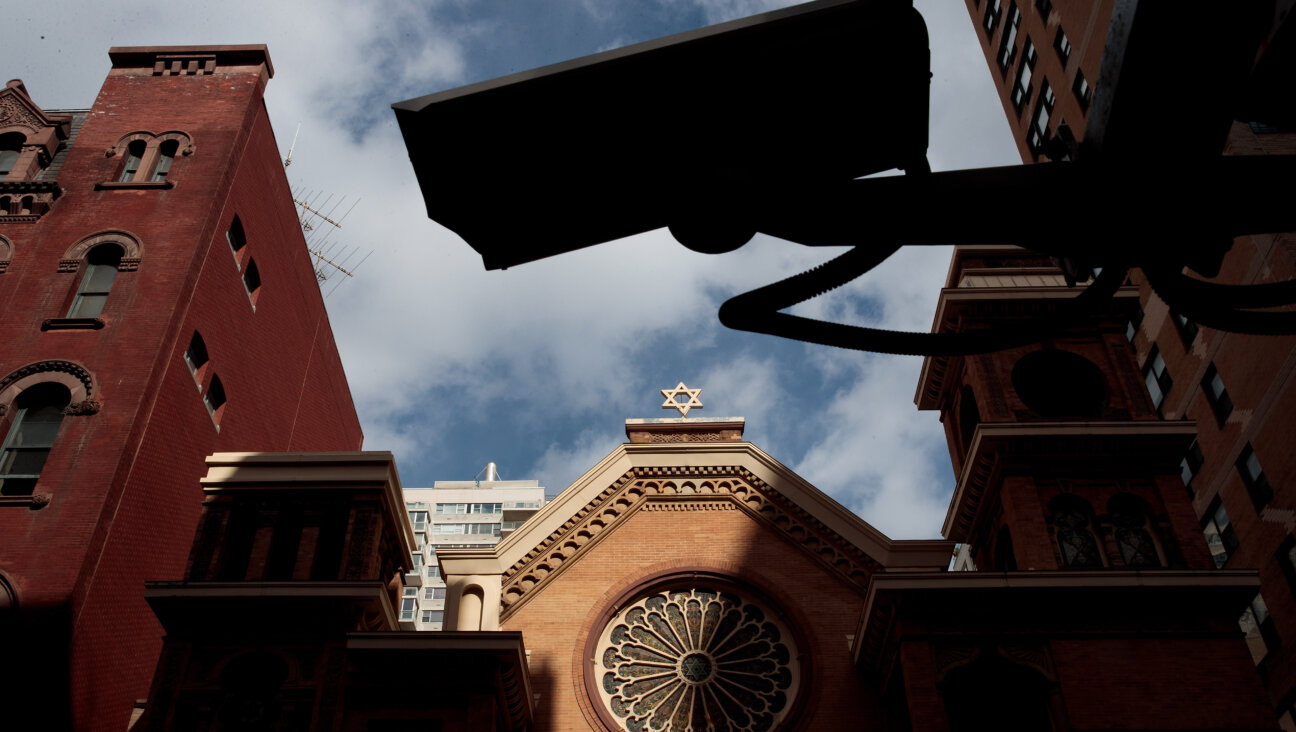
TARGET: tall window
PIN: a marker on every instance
(10, 146)
(1021, 90)
(214, 399)
(1220, 537)
(166, 154)
(31, 436)
(1072, 520)
(1213, 386)
(97, 280)
(1063, 46)
(1156, 377)
(994, 9)
(1008, 46)
(1261, 634)
(252, 281)
(1038, 133)
(1253, 477)
(195, 357)
(130, 166)
(1132, 523)
(237, 239)
(1082, 91)
(1191, 464)
(419, 519)
(1187, 329)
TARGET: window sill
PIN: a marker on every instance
(35, 502)
(72, 324)
(133, 184)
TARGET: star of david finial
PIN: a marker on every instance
(673, 396)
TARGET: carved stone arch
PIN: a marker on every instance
(130, 244)
(950, 657)
(8, 597)
(120, 147)
(6, 251)
(184, 142)
(79, 382)
(1034, 656)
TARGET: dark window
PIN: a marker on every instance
(1072, 520)
(1253, 477)
(134, 154)
(1044, 6)
(1220, 537)
(1082, 91)
(1008, 46)
(96, 281)
(215, 400)
(1156, 377)
(1054, 383)
(994, 9)
(1213, 386)
(1038, 133)
(10, 146)
(236, 238)
(1191, 464)
(1005, 558)
(166, 153)
(1132, 526)
(1187, 329)
(252, 281)
(1063, 46)
(1286, 557)
(196, 357)
(31, 436)
(1131, 328)
(1021, 90)
(1261, 635)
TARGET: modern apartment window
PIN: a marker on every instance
(434, 593)
(409, 606)
(1213, 386)
(427, 616)
(130, 166)
(10, 146)
(101, 265)
(31, 436)
(1187, 329)
(434, 571)
(433, 616)
(1082, 90)
(1038, 133)
(994, 9)
(1191, 464)
(252, 281)
(196, 359)
(166, 153)
(1008, 46)
(1220, 537)
(1254, 479)
(1021, 90)
(419, 519)
(410, 592)
(467, 508)
(1063, 46)
(1156, 377)
(237, 240)
(1261, 635)
(215, 400)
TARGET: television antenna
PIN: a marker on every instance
(319, 219)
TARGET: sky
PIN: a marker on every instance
(537, 368)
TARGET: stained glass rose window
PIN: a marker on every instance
(694, 660)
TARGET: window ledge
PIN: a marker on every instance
(133, 184)
(72, 324)
(35, 502)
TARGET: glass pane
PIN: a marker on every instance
(98, 278)
(25, 461)
(87, 306)
(1215, 544)
(1154, 389)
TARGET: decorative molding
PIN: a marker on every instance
(71, 324)
(79, 409)
(184, 64)
(129, 243)
(1032, 654)
(40, 500)
(950, 657)
(69, 265)
(679, 488)
(14, 113)
(65, 367)
(670, 437)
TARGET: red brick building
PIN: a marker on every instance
(157, 304)
(1238, 390)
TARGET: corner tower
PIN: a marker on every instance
(157, 304)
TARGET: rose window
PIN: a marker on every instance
(694, 660)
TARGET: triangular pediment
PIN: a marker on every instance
(19, 112)
(735, 476)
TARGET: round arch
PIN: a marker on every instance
(130, 244)
(79, 382)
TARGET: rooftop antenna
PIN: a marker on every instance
(330, 257)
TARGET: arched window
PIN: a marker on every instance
(252, 281)
(1072, 520)
(237, 240)
(10, 146)
(195, 357)
(100, 271)
(166, 153)
(1130, 518)
(134, 154)
(39, 411)
(215, 400)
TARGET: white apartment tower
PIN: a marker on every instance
(458, 513)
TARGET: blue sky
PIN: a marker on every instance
(537, 367)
